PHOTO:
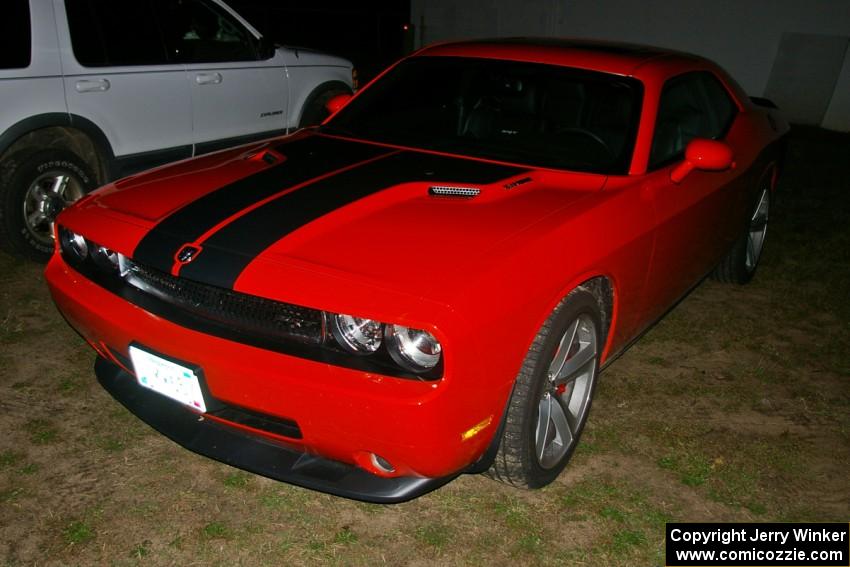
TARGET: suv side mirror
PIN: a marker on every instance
(265, 48)
(704, 155)
(337, 102)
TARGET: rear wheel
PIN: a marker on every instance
(552, 395)
(739, 265)
(34, 188)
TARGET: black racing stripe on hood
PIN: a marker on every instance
(306, 158)
(229, 251)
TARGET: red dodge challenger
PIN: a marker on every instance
(429, 283)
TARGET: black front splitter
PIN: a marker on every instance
(253, 453)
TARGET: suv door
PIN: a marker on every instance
(238, 85)
(118, 75)
(30, 74)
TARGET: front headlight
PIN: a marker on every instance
(413, 349)
(360, 336)
(105, 258)
(74, 246)
(81, 252)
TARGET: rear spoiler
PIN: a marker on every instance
(767, 103)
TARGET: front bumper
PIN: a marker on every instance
(253, 453)
(342, 415)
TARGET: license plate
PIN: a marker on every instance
(168, 378)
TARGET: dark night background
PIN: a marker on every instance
(372, 34)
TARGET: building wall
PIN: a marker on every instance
(742, 35)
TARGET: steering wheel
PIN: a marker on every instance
(588, 134)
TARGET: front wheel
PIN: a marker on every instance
(34, 188)
(552, 395)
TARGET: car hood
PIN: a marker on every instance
(383, 214)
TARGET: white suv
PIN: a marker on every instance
(92, 90)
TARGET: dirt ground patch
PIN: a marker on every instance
(735, 407)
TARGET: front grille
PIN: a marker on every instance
(238, 317)
(257, 420)
(238, 311)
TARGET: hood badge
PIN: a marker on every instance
(518, 182)
(187, 253)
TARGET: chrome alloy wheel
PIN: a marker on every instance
(46, 197)
(758, 230)
(566, 394)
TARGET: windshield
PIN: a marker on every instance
(528, 113)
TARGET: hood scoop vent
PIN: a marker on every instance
(450, 191)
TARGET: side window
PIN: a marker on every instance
(108, 33)
(15, 31)
(693, 105)
(202, 32)
(722, 106)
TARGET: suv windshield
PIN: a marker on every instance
(529, 113)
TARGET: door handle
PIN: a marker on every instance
(86, 86)
(208, 78)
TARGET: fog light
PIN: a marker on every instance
(382, 464)
(374, 464)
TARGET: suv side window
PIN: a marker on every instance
(15, 31)
(109, 33)
(693, 105)
(202, 32)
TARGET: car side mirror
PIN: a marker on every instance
(704, 155)
(337, 102)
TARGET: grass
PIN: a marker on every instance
(237, 479)
(141, 550)
(11, 494)
(632, 523)
(78, 533)
(10, 458)
(345, 536)
(692, 469)
(112, 445)
(30, 468)
(41, 431)
(216, 530)
(435, 535)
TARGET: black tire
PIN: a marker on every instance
(34, 187)
(517, 461)
(740, 263)
(314, 109)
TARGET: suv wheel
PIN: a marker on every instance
(314, 109)
(34, 188)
